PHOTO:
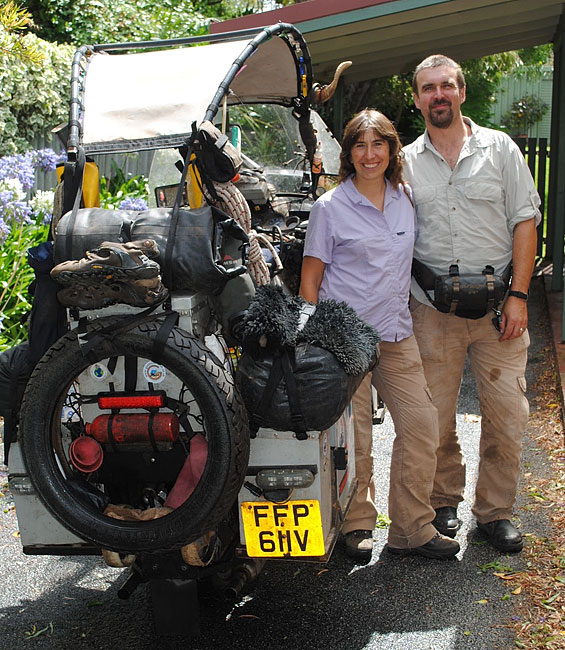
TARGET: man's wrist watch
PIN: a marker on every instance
(518, 294)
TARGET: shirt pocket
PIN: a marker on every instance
(424, 194)
(480, 191)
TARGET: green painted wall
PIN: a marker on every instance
(512, 88)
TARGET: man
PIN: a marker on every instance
(477, 210)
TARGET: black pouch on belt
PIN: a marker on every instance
(470, 295)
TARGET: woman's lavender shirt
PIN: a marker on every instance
(367, 253)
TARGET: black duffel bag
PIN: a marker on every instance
(301, 377)
(191, 246)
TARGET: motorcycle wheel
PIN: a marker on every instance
(205, 383)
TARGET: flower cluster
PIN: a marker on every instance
(131, 203)
(17, 176)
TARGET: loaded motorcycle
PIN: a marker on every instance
(135, 440)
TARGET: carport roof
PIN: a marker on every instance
(384, 37)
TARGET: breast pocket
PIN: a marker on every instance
(424, 194)
(483, 192)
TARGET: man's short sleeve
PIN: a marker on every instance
(521, 197)
(319, 240)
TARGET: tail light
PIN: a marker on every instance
(139, 399)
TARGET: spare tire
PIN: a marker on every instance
(77, 500)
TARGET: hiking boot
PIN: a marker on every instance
(138, 293)
(110, 261)
(439, 547)
(359, 545)
(503, 535)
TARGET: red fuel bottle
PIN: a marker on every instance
(134, 427)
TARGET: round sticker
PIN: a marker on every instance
(98, 372)
(154, 372)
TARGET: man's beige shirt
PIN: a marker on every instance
(467, 215)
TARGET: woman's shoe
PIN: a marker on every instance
(446, 521)
(359, 544)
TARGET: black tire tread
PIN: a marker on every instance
(215, 376)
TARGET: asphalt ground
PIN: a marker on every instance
(391, 603)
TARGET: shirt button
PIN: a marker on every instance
(453, 208)
(450, 183)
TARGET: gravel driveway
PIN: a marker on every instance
(392, 603)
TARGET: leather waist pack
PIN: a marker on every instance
(470, 295)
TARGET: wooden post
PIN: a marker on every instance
(557, 168)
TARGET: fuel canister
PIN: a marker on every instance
(134, 427)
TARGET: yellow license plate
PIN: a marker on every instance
(289, 529)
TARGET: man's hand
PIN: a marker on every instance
(514, 318)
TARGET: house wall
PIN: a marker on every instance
(512, 88)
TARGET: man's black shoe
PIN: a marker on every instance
(503, 535)
(438, 548)
(446, 521)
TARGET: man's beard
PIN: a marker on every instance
(441, 120)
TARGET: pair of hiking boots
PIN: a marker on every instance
(112, 273)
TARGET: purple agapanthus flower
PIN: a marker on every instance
(18, 166)
(17, 212)
(130, 203)
(44, 159)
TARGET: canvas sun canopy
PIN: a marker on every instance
(148, 100)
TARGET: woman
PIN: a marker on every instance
(359, 249)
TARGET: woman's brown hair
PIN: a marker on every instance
(367, 120)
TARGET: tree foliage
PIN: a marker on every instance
(13, 23)
(103, 21)
(33, 95)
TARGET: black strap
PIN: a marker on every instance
(110, 432)
(296, 412)
(488, 272)
(151, 432)
(166, 266)
(89, 339)
(163, 334)
(275, 376)
(281, 367)
(130, 373)
(454, 273)
(425, 278)
(73, 175)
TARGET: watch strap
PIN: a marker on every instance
(518, 294)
